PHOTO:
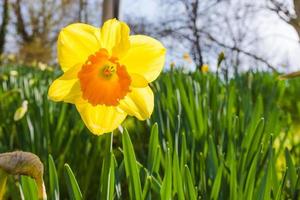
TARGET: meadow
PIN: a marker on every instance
(209, 137)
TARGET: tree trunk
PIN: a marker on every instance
(83, 12)
(295, 22)
(3, 28)
(21, 27)
(110, 9)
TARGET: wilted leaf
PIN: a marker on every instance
(24, 163)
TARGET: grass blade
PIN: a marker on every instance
(131, 168)
(166, 188)
(217, 184)
(53, 180)
(73, 187)
(291, 170)
(191, 192)
(29, 188)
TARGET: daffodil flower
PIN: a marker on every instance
(106, 73)
(204, 68)
(13, 73)
(21, 111)
(187, 57)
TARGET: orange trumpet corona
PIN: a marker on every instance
(103, 80)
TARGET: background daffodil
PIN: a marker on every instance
(106, 73)
(204, 68)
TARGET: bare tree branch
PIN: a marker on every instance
(290, 17)
(237, 49)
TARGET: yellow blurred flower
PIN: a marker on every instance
(13, 73)
(11, 57)
(204, 68)
(21, 111)
(32, 81)
(280, 143)
(42, 66)
(106, 73)
(187, 57)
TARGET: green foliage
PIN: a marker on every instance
(3, 180)
(208, 138)
(53, 180)
(73, 188)
(28, 188)
(131, 168)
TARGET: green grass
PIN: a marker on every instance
(208, 138)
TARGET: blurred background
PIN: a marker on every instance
(253, 34)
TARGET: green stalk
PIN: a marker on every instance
(3, 179)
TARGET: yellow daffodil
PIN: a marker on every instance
(204, 68)
(21, 111)
(106, 73)
(13, 73)
(187, 57)
(42, 66)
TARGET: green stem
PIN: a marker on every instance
(3, 179)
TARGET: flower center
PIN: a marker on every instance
(107, 71)
(103, 80)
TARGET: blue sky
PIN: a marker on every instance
(147, 8)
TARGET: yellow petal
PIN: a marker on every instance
(138, 81)
(115, 37)
(75, 43)
(146, 57)
(67, 87)
(139, 103)
(100, 119)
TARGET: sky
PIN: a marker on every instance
(278, 38)
(281, 39)
(145, 8)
